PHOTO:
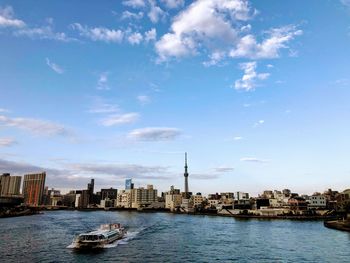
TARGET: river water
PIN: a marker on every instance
(163, 237)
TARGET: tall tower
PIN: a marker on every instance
(186, 177)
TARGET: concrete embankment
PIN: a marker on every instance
(338, 224)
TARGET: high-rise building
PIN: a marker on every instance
(10, 185)
(2, 177)
(186, 178)
(128, 184)
(33, 188)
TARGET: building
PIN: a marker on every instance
(241, 196)
(316, 202)
(82, 198)
(69, 199)
(143, 197)
(110, 193)
(10, 185)
(297, 203)
(173, 199)
(197, 200)
(124, 199)
(33, 188)
(128, 184)
(90, 188)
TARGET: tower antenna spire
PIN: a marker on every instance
(186, 177)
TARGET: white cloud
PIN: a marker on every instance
(155, 13)
(118, 119)
(102, 83)
(277, 39)
(205, 176)
(143, 99)
(170, 4)
(54, 67)
(238, 138)
(104, 108)
(135, 3)
(7, 19)
(20, 28)
(224, 169)
(259, 123)
(131, 15)
(249, 79)
(151, 35)
(214, 27)
(5, 142)
(135, 38)
(253, 160)
(214, 58)
(205, 23)
(45, 32)
(120, 170)
(35, 126)
(99, 33)
(155, 134)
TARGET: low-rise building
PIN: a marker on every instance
(316, 202)
(197, 200)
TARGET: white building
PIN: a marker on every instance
(124, 199)
(316, 201)
(241, 196)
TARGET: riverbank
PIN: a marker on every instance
(343, 225)
(15, 212)
(217, 213)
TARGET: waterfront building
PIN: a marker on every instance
(110, 193)
(316, 201)
(197, 200)
(124, 199)
(297, 203)
(227, 198)
(143, 197)
(90, 189)
(33, 188)
(82, 198)
(105, 203)
(173, 199)
(10, 185)
(241, 196)
(69, 199)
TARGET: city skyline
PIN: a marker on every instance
(258, 99)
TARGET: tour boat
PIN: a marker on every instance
(106, 234)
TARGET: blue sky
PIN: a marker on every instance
(257, 93)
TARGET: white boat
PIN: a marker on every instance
(106, 234)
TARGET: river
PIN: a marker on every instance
(163, 237)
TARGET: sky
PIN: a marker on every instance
(256, 92)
